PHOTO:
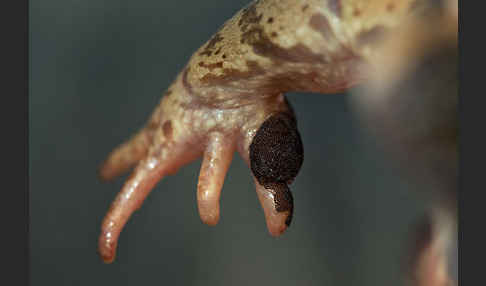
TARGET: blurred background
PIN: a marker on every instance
(97, 70)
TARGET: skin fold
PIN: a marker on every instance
(230, 98)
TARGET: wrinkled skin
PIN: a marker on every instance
(230, 98)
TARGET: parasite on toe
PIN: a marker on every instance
(276, 156)
(276, 152)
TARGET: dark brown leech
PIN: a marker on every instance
(276, 155)
(276, 152)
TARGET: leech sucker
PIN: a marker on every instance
(276, 152)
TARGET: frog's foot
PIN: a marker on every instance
(265, 134)
(162, 156)
(432, 245)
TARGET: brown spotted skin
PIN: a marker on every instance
(230, 97)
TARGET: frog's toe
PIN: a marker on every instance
(216, 161)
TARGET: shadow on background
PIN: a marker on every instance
(98, 68)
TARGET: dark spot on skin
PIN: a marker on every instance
(217, 52)
(185, 82)
(264, 47)
(276, 151)
(210, 46)
(283, 199)
(372, 36)
(319, 23)
(270, 20)
(231, 75)
(206, 53)
(274, 34)
(356, 12)
(224, 56)
(167, 128)
(305, 7)
(249, 16)
(335, 7)
(211, 66)
(390, 7)
(214, 40)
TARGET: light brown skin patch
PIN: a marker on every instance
(235, 82)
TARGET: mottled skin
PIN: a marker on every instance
(234, 84)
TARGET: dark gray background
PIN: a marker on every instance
(98, 68)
